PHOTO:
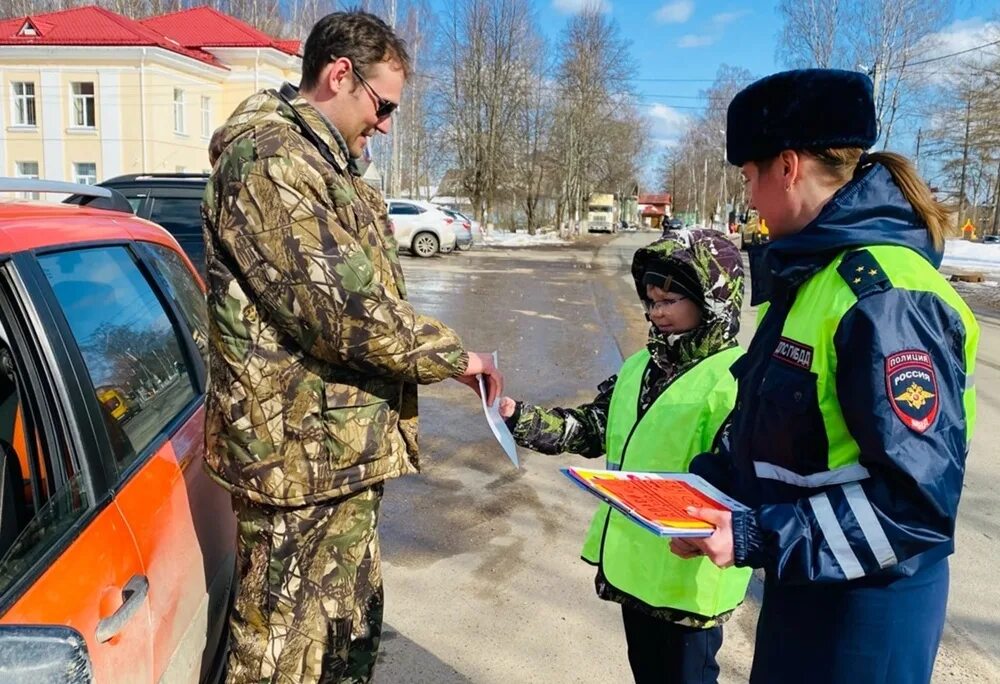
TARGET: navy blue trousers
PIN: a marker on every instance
(662, 652)
(861, 632)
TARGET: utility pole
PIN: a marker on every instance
(965, 158)
(704, 189)
(995, 229)
(395, 146)
(875, 74)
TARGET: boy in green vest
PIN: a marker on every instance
(666, 405)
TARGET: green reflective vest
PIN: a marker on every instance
(681, 424)
(807, 340)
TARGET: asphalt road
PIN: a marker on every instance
(483, 578)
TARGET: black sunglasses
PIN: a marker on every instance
(383, 107)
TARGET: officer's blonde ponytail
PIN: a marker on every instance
(842, 163)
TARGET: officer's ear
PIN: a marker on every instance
(790, 164)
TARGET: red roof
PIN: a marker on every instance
(661, 198)
(653, 211)
(90, 26)
(202, 27)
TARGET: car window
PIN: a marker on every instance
(404, 209)
(179, 215)
(129, 345)
(42, 493)
(185, 292)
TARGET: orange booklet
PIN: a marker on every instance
(656, 501)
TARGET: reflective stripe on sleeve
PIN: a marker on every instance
(870, 526)
(850, 473)
(835, 538)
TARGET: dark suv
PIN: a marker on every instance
(171, 199)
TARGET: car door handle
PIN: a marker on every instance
(133, 594)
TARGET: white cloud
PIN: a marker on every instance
(959, 36)
(668, 124)
(675, 12)
(577, 6)
(725, 18)
(694, 41)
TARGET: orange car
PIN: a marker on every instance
(116, 550)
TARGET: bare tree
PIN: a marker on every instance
(892, 35)
(695, 171)
(809, 33)
(532, 167)
(592, 97)
(964, 140)
(483, 50)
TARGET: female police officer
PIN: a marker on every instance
(855, 403)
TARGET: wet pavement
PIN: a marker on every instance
(482, 571)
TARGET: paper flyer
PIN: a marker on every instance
(496, 422)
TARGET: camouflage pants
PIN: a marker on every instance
(309, 604)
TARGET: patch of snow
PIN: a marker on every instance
(972, 255)
(499, 238)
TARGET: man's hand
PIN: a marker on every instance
(718, 548)
(482, 364)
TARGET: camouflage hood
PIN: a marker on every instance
(717, 267)
(272, 109)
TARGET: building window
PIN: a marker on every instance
(85, 172)
(206, 116)
(178, 110)
(27, 169)
(84, 111)
(24, 103)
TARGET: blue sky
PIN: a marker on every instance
(680, 44)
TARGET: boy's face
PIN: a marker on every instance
(670, 312)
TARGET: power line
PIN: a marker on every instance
(948, 56)
(674, 80)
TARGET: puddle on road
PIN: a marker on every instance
(468, 499)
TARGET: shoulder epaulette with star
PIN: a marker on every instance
(863, 274)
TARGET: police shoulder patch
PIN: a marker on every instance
(863, 273)
(912, 388)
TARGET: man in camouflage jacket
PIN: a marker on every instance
(315, 356)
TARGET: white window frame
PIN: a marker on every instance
(19, 173)
(86, 178)
(206, 116)
(179, 111)
(80, 100)
(18, 99)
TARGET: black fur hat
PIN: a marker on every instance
(805, 109)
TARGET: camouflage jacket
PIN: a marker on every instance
(314, 352)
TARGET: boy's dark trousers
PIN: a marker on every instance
(662, 652)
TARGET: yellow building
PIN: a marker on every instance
(89, 94)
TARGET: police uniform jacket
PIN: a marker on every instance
(891, 511)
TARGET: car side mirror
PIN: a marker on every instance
(43, 654)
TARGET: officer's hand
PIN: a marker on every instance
(482, 364)
(718, 548)
(507, 407)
